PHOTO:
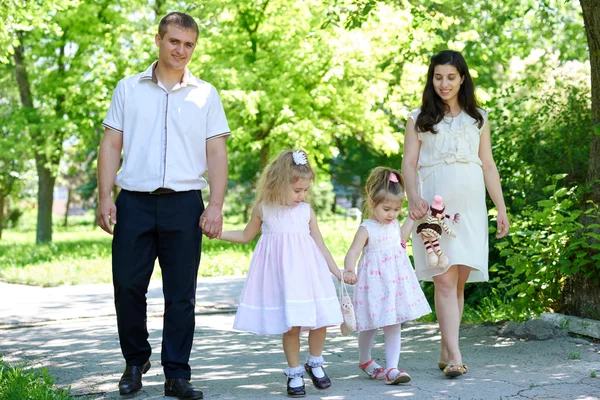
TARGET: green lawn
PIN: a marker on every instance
(81, 253)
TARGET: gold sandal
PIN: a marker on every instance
(442, 365)
(455, 370)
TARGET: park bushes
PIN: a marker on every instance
(541, 136)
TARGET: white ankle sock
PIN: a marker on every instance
(315, 363)
(296, 382)
(318, 372)
(295, 374)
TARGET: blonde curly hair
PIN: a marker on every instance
(279, 174)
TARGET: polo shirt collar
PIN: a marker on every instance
(150, 74)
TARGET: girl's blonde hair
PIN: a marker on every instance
(382, 184)
(279, 174)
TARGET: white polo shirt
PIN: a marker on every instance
(165, 133)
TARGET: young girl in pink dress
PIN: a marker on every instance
(388, 292)
(289, 285)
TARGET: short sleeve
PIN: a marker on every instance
(216, 122)
(485, 116)
(414, 114)
(114, 118)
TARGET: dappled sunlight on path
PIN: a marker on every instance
(227, 364)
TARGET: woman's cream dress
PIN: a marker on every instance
(449, 166)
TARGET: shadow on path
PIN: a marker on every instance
(232, 365)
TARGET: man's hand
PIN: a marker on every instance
(211, 222)
(106, 215)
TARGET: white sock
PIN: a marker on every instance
(365, 344)
(295, 374)
(392, 347)
(296, 382)
(315, 363)
(318, 372)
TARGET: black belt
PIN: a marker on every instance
(162, 191)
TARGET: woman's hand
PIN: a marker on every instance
(417, 207)
(502, 225)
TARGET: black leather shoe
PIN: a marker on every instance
(320, 383)
(295, 391)
(182, 389)
(131, 381)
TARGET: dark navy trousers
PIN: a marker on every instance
(150, 226)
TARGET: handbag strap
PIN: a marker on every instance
(343, 289)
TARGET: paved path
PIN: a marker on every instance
(72, 332)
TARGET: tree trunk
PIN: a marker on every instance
(246, 212)
(43, 163)
(264, 155)
(45, 199)
(1, 213)
(67, 206)
(591, 18)
(581, 296)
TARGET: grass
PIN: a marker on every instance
(81, 253)
(19, 382)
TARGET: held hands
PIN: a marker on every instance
(211, 222)
(106, 214)
(349, 277)
(417, 207)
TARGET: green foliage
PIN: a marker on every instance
(19, 382)
(540, 128)
(547, 244)
(322, 198)
(497, 306)
(72, 260)
(576, 355)
(335, 78)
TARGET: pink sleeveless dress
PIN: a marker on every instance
(387, 291)
(289, 283)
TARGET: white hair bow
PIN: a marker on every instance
(299, 157)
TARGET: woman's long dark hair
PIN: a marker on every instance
(433, 107)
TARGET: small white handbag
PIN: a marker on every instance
(349, 324)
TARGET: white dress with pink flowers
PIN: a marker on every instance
(387, 291)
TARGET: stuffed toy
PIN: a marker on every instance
(431, 231)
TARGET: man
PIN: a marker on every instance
(171, 128)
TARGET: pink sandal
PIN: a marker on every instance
(377, 373)
(401, 377)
